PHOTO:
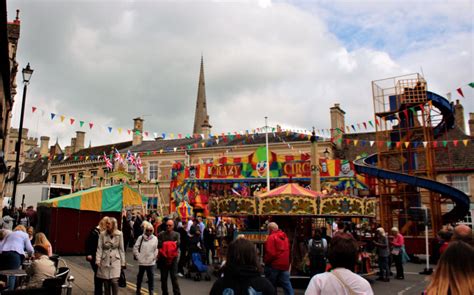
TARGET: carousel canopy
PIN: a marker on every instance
(290, 189)
(102, 199)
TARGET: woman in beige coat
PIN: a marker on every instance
(110, 257)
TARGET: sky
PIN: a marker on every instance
(107, 62)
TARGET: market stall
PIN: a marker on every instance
(67, 220)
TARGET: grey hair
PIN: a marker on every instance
(273, 226)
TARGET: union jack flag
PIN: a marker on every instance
(130, 158)
(138, 164)
(118, 157)
(108, 163)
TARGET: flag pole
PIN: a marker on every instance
(268, 158)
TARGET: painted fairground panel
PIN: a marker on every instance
(343, 205)
(226, 185)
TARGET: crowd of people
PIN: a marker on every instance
(168, 244)
(20, 245)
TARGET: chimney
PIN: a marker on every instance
(73, 145)
(80, 139)
(44, 146)
(137, 131)
(471, 124)
(337, 124)
(459, 116)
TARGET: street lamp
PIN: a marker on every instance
(27, 72)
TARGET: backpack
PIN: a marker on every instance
(316, 249)
(168, 252)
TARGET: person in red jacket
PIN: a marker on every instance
(277, 259)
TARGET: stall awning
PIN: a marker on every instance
(102, 199)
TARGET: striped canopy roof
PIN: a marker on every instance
(102, 199)
(290, 189)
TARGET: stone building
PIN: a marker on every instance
(9, 36)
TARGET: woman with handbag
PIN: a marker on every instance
(398, 244)
(110, 257)
(146, 251)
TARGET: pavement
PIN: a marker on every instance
(414, 283)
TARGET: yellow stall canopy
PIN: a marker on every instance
(102, 199)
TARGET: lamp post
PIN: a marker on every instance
(427, 270)
(315, 173)
(27, 72)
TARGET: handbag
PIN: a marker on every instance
(122, 282)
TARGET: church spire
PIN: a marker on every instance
(201, 119)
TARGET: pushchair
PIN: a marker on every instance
(196, 268)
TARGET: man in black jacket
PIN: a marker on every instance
(91, 250)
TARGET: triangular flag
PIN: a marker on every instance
(91, 125)
(412, 109)
(52, 116)
(380, 144)
(371, 124)
(33, 109)
(146, 133)
(62, 118)
(71, 120)
(435, 144)
(365, 125)
(425, 143)
(129, 131)
(180, 135)
(371, 142)
(445, 143)
(358, 126)
(389, 143)
(161, 151)
(110, 129)
(377, 121)
(203, 144)
(407, 143)
(398, 144)
(348, 129)
(471, 84)
(459, 90)
(217, 140)
(455, 142)
(119, 130)
(81, 123)
(465, 141)
(356, 142)
(175, 149)
(353, 128)
(137, 132)
(171, 135)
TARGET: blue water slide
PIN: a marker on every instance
(368, 166)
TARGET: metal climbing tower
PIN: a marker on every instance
(405, 131)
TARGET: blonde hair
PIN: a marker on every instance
(20, 228)
(454, 275)
(146, 225)
(102, 223)
(113, 221)
(41, 239)
(395, 229)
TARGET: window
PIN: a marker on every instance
(54, 179)
(106, 176)
(461, 182)
(71, 179)
(63, 178)
(93, 178)
(153, 171)
(132, 170)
